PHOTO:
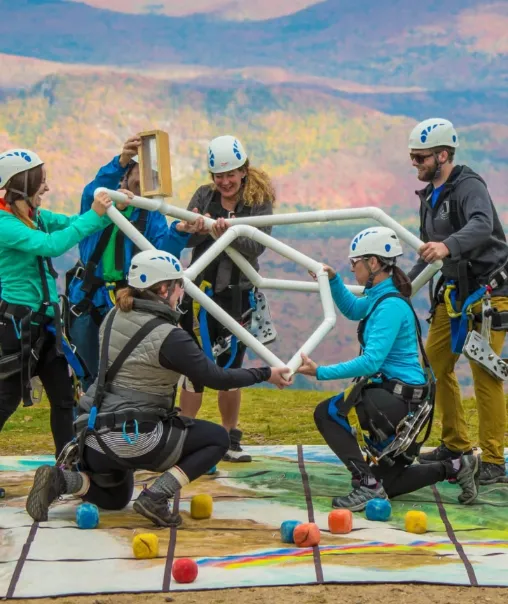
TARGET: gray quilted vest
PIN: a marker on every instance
(141, 382)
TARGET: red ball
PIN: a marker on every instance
(184, 570)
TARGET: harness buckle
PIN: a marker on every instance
(74, 311)
(79, 274)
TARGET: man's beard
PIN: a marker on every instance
(430, 173)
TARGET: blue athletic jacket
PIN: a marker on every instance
(391, 344)
(157, 231)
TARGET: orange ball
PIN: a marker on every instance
(340, 522)
(307, 535)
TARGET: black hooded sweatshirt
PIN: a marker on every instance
(480, 238)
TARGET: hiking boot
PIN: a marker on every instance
(235, 453)
(357, 500)
(490, 473)
(441, 453)
(156, 508)
(49, 484)
(468, 478)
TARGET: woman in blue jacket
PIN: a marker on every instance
(393, 382)
(105, 257)
(30, 328)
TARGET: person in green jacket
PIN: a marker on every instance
(31, 341)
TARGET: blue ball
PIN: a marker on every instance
(378, 509)
(212, 471)
(87, 516)
(287, 529)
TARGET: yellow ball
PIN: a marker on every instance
(145, 545)
(201, 507)
(416, 522)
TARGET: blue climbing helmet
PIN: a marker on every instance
(434, 132)
(376, 241)
(151, 267)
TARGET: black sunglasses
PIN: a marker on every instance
(419, 158)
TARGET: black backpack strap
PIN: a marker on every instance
(363, 322)
(46, 299)
(107, 376)
(423, 217)
(90, 282)
(140, 223)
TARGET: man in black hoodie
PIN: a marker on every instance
(460, 226)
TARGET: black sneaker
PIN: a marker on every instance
(441, 453)
(235, 453)
(156, 508)
(49, 484)
(468, 478)
(491, 473)
(357, 500)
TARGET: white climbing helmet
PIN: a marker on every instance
(225, 153)
(14, 161)
(153, 266)
(375, 241)
(434, 132)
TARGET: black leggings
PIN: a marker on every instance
(397, 479)
(204, 446)
(54, 374)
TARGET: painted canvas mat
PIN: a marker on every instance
(240, 545)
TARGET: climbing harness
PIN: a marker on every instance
(382, 440)
(97, 424)
(31, 328)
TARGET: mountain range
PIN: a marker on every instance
(322, 94)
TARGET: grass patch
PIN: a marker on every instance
(267, 417)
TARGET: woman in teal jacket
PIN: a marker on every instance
(391, 382)
(30, 326)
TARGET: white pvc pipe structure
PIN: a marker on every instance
(158, 204)
(223, 317)
(246, 227)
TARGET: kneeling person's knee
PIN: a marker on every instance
(222, 438)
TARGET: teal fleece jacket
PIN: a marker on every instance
(391, 344)
(20, 245)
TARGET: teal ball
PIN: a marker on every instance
(87, 516)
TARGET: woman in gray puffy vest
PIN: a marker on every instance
(127, 419)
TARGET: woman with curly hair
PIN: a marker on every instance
(237, 189)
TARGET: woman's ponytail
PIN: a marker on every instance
(402, 282)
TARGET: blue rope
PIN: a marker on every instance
(203, 327)
(70, 355)
(126, 437)
(233, 352)
(460, 325)
(17, 329)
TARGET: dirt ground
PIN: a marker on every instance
(325, 594)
